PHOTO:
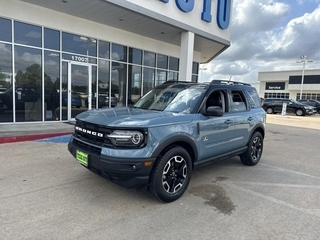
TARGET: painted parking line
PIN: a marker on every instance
(59, 139)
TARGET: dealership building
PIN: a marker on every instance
(59, 57)
(287, 84)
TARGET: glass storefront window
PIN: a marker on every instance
(173, 76)
(51, 39)
(119, 53)
(276, 95)
(114, 83)
(173, 64)
(134, 84)
(27, 34)
(135, 56)
(79, 44)
(162, 61)
(104, 49)
(64, 92)
(149, 59)
(6, 101)
(194, 78)
(148, 79)
(195, 67)
(28, 84)
(119, 82)
(161, 77)
(51, 85)
(5, 30)
(103, 86)
(93, 87)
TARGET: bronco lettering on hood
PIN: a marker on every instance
(89, 132)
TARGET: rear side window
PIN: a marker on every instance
(253, 98)
(238, 103)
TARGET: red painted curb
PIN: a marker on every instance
(12, 139)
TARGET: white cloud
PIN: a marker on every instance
(261, 42)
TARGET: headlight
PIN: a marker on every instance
(124, 138)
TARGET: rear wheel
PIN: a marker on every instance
(255, 147)
(171, 175)
(269, 110)
(299, 112)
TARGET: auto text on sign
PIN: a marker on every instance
(223, 10)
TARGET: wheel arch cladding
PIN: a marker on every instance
(259, 129)
(183, 142)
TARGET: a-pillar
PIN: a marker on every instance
(186, 56)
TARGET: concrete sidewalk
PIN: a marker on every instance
(31, 131)
(312, 122)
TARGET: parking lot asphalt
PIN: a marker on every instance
(46, 194)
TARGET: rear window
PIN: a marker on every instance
(254, 99)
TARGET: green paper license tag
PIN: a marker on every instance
(82, 158)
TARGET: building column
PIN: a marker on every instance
(186, 56)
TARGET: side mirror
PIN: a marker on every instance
(214, 111)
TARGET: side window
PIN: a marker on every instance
(217, 99)
(253, 98)
(238, 103)
(311, 103)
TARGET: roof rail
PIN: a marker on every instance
(227, 82)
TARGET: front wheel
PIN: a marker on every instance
(253, 154)
(171, 175)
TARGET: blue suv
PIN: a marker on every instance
(173, 129)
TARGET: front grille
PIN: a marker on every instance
(96, 138)
(88, 148)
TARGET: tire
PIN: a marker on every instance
(269, 110)
(299, 112)
(171, 175)
(255, 147)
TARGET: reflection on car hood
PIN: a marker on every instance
(132, 117)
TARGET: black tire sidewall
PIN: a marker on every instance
(271, 110)
(298, 110)
(157, 174)
(246, 158)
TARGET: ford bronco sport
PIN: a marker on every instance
(173, 129)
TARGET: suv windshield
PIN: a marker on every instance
(177, 98)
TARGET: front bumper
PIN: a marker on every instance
(128, 173)
(310, 111)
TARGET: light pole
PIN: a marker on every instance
(303, 61)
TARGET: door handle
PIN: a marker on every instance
(250, 118)
(228, 121)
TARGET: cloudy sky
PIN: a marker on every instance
(268, 35)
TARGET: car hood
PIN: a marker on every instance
(132, 117)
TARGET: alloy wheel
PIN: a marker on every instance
(256, 149)
(174, 174)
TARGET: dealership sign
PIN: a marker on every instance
(275, 85)
(223, 10)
